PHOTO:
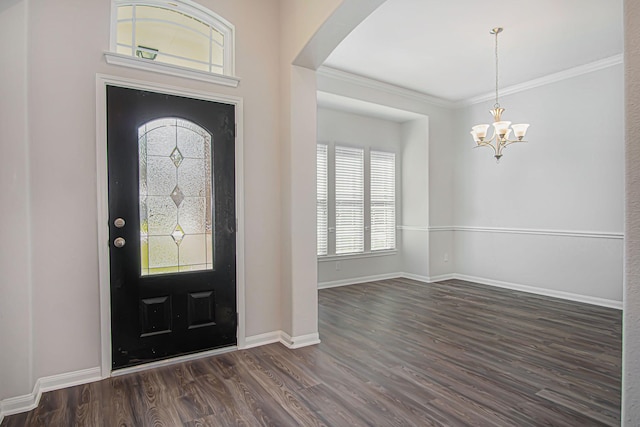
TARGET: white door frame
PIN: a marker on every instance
(102, 81)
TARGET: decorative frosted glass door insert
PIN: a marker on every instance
(176, 213)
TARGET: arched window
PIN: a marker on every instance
(176, 37)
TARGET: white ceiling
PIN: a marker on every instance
(443, 48)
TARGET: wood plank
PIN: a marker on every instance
(393, 353)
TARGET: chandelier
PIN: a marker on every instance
(501, 129)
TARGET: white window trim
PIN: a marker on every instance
(193, 9)
(326, 184)
(371, 254)
(172, 70)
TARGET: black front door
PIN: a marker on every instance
(171, 225)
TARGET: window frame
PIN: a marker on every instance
(350, 204)
(331, 223)
(189, 8)
(325, 231)
(395, 196)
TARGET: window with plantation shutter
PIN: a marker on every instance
(349, 195)
(383, 200)
(322, 208)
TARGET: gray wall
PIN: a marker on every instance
(548, 218)
(342, 128)
(569, 179)
(15, 263)
(631, 323)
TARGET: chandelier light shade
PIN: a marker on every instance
(501, 129)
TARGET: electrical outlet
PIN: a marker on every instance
(445, 258)
(337, 265)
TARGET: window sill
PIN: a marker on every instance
(326, 258)
(173, 70)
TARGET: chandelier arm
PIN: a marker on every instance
(509, 142)
(487, 144)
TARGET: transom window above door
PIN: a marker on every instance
(177, 37)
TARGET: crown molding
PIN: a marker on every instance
(551, 78)
(377, 85)
(355, 79)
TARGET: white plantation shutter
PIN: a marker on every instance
(322, 198)
(383, 200)
(349, 200)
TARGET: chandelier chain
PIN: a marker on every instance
(497, 104)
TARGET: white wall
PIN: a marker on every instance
(338, 127)
(54, 76)
(63, 181)
(415, 201)
(15, 275)
(547, 218)
(299, 298)
(427, 169)
(568, 178)
(57, 188)
(425, 184)
(631, 321)
(427, 248)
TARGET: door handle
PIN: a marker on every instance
(119, 222)
(119, 242)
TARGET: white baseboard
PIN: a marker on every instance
(426, 279)
(490, 282)
(299, 341)
(542, 291)
(27, 402)
(283, 338)
(442, 277)
(357, 280)
(261, 339)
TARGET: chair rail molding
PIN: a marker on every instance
(540, 232)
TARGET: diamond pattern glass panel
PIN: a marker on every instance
(191, 178)
(193, 215)
(191, 250)
(162, 215)
(177, 235)
(176, 156)
(176, 209)
(163, 252)
(177, 196)
(161, 175)
(190, 141)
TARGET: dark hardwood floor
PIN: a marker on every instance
(393, 353)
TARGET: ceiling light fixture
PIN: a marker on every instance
(501, 129)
